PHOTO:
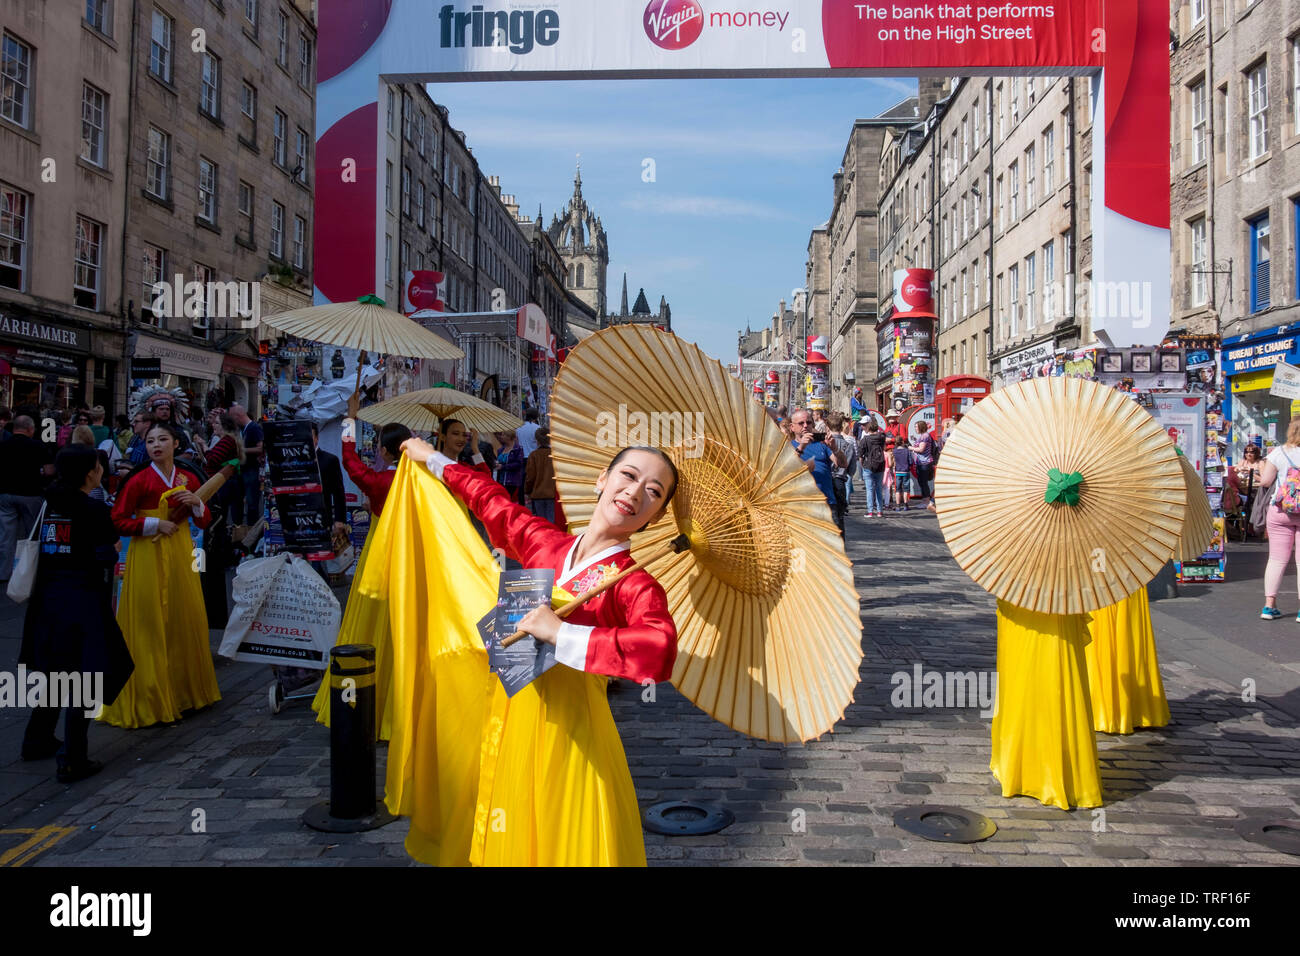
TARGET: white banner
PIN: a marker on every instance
(284, 614)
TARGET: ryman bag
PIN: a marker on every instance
(27, 555)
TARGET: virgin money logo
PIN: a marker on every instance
(916, 293)
(673, 24)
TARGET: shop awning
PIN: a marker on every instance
(178, 359)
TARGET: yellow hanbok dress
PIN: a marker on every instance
(365, 621)
(539, 779)
(161, 610)
(1043, 743)
(1123, 669)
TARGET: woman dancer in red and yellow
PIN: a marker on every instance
(553, 783)
(161, 610)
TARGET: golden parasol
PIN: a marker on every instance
(769, 629)
(422, 411)
(1198, 520)
(1060, 495)
(366, 325)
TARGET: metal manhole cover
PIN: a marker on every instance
(683, 818)
(255, 748)
(945, 824)
(1280, 835)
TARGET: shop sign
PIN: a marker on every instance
(242, 365)
(45, 333)
(1034, 355)
(179, 359)
(46, 362)
(146, 368)
(1286, 381)
(1260, 355)
(1253, 381)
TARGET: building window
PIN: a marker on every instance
(1051, 295)
(207, 190)
(1197, 95)
(388, 259)
(1015, 101)
(86, 266)
(282, 40)
(965, 140)
(1013, 276)
(250, 14)
(299, 241)
(997, 200)
(406, 191)
(406, 255)
(1257, 82)
(279, 131)
(965, 294)
(1031, 281)
(17, 82)
(247, 196)
(419, 132)
(419, 204)
(1049, 160)
(388, 187)
(1030, 168)
(158, 179)
(154, 271)
(99, 15)
(1067, 148)
(1198, 260)
(277, 230)
(248, 109)
(13, 237)
(580, 277)
(1260, 259)
(1014, 211)
(392, 108)
(965, 218)
(1198, 12)
(304, 61)
(93, 111)
(975, 123)
(206, 277)
(161, 37)
(210, 88)
(300, 155)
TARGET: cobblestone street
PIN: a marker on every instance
(1173, 796)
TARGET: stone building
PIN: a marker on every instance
(195, 160)
(640, 311)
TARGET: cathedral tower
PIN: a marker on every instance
(580, 238)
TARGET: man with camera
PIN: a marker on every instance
(820, 457)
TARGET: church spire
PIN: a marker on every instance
(623, 310)
(577, 179)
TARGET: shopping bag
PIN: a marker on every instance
(27, 555)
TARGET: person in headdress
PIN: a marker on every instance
(161, 610)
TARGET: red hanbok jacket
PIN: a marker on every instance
(141, 493)
(375, 484)
(624, 632)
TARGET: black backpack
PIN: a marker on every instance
(872, 451)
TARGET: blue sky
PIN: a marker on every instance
(742, 174)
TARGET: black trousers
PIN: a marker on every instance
(840, 486)
(76, 725)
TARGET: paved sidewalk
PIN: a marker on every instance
(1172, 796)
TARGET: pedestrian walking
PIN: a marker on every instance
(871, 452)
(903, 465)
(249, 510)
(845, 453)
(510, 465)
(539, 478)
(25, 464)
(102, 431)
(69, 626)
(849, 446)
(808, 445)
(161, 610)
(924, 453)
(526, 434)
(1281, 475)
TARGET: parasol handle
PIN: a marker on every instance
(206, 491)
(676, 546)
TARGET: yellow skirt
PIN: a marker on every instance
(365, 621)
(1043, 743)
(539, 779)
(165, 624)
(1123, 669)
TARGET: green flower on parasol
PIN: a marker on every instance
(1063, 487)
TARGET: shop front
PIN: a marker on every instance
(1033, 361)
(158, 361)
(1256, 416)
(42, 362)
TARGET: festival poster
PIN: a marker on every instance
(296, 485)
(526, 660)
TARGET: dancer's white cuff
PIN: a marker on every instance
(571, 645)
(150, 526)
(478, 459)
(437, 462)
(199, 509)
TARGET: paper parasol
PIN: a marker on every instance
(1117, 495)
(1198, 520)
(769, 629)
(422, 411)
(364, 324)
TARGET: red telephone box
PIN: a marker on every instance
(954, 395)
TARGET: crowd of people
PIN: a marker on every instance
(896, 468)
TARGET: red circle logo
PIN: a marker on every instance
(916, 292)
(673, 24)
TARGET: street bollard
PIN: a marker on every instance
(352, 806)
